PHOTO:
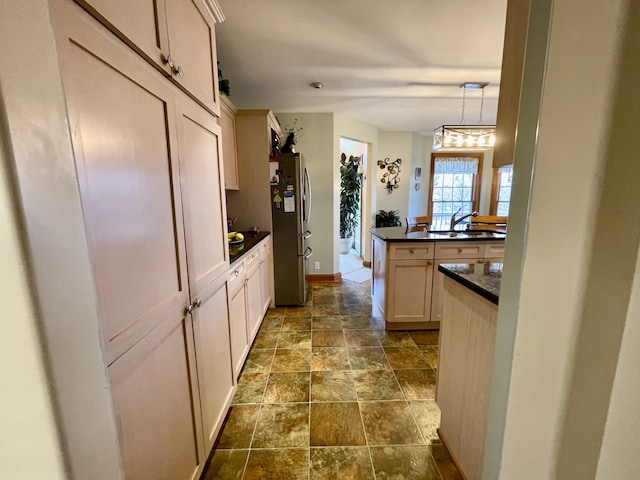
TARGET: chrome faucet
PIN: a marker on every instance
(454, 221)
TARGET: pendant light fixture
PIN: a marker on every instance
(466, 137)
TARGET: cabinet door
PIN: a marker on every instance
(192, 44)
(238, 328)
(228, 126)
(142, 24)
(156, 403)
(122, 119)
(265, 281)
(254, 308)
(410, 291)
(213, 354)
(438, 295)
(378, 272)
(202, 193)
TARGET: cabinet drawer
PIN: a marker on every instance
(236, 276)
(410, 251)
(494, 251)
(460, 250)
(252, 257)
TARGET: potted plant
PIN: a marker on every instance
(389, 218)
(350, 183)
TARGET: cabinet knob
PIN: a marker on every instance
(198, 302)
(167, 60)
(411, 251)
(189, 309)
(237, 272)
(459, 250)
(429, 262)
(178, 71)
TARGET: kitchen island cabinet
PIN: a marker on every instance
(466, 346)
(405, 284)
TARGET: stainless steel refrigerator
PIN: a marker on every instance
(290, 210)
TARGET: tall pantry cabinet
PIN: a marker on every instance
(149, 165)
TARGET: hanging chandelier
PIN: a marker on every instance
(466, 137)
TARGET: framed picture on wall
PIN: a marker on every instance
(418, 173)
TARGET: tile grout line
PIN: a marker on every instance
(255, 427)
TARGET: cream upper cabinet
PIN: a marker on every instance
(123, 121)
(196, 69)
(165, 32)
(229, 154)
(200, 153)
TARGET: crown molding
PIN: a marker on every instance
(214, 10)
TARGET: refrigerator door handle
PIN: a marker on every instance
(306, 234)
(306, 195)
(307, 253)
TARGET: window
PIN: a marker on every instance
(501, 190)
(455, 184)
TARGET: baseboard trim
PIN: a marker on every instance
(324, 277)
(366, 264)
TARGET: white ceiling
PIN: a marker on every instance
(395, 64)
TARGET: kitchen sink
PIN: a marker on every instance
(468, 234)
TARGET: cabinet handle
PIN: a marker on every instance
(168, 61)
(198, 302)
(178, 71)
(189, 308)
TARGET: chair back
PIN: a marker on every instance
(489, 222)
(417, 224)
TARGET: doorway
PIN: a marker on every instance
(351, 263)
(358, 149)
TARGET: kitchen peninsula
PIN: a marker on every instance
(406, 286)
(467, 339)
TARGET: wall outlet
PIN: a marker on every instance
(316, 265)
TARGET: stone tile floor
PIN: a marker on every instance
(326, 393)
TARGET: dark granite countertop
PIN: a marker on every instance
(482, 278)
(250, 240)
(398, 234)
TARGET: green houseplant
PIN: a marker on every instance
(350, 183)
(389, 218)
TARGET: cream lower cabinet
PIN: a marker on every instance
(254, 295)
(213, 357)
(249, 286)
(266, 275)
(239, 334)
(156, 400)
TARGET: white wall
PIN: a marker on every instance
(420, 157)
(30, 444)
(573, 254)
(360, 150)
(315, 143)
(345, 127)
(394, 145)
